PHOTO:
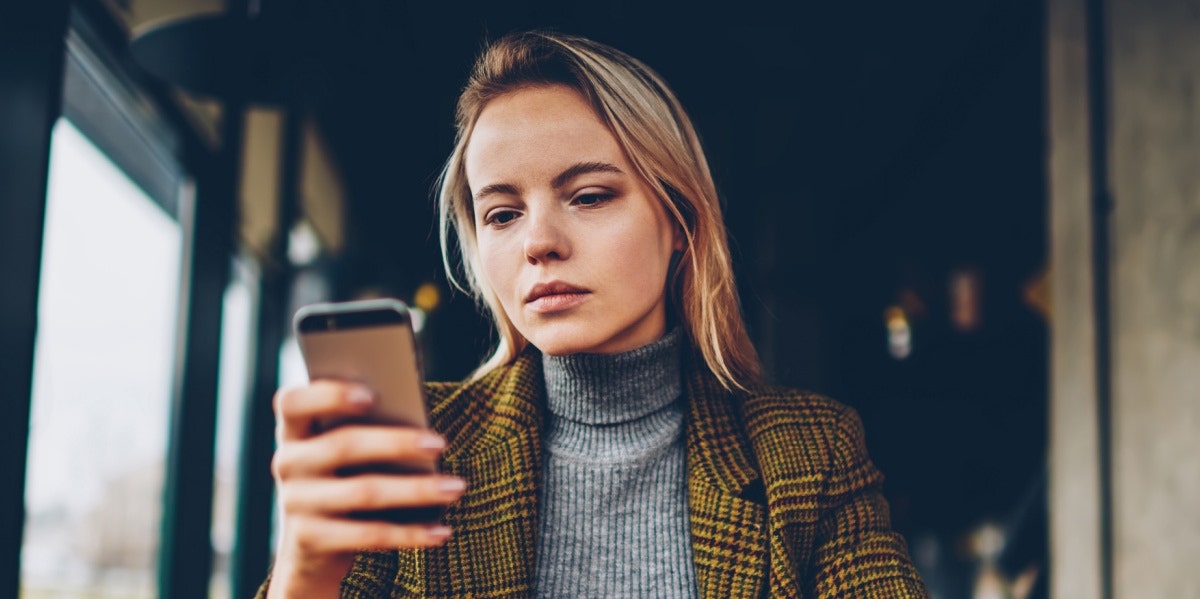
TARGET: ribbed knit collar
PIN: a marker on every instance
(614, 388)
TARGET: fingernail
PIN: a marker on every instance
(440, 532)
(360, 396)
(452, 485)
(431, 442)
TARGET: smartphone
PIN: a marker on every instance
(370, 342)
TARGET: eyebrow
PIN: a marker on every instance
(559, 181)
(583, 168)
(495, 188)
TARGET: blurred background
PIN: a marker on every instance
(906, 188)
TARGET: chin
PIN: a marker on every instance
(563, 339)
(558, 347)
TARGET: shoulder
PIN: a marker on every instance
(767, 407)
(784, 421)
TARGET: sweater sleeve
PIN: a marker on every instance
(857, 553)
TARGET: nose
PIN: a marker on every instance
(546, 238)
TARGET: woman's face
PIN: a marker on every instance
(571, 240)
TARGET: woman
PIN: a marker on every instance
(618, 442)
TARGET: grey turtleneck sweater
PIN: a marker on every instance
(613, 504)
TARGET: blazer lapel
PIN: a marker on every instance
(495, 446)
(726, 499)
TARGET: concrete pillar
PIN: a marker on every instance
(1154, 156)
(1155, 65)
(1074, 487)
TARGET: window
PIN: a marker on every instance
(105, 346)
(102, 379)
(237, 343)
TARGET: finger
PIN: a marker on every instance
(315, 535)
(356, 445)
(369, 492)
(297, 408)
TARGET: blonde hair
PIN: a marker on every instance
(657, 136)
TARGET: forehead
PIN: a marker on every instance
(537, 128)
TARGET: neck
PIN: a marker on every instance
(614, 388)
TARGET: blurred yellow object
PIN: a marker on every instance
(895, 318)
(899, 333)
(427, 297)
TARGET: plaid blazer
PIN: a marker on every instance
(783, 499)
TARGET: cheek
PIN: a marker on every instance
(488, 263)
(644, 257)
(497, 271)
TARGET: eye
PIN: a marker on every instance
(592, 199)
(500, 217)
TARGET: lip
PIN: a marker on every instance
(555, 296)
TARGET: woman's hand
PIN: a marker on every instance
(319, 536)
